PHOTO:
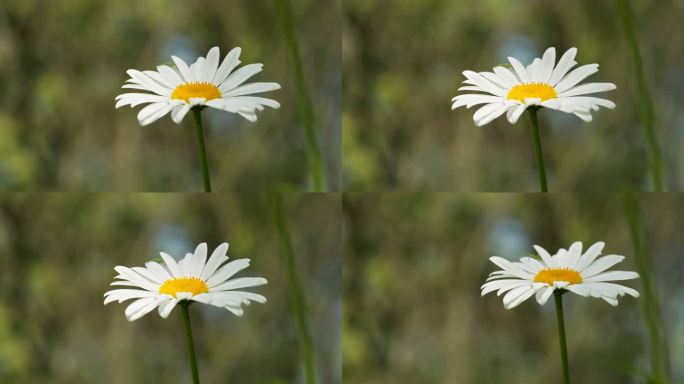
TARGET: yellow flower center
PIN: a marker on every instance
(532, 90)
(196, 90)
(550, 275)
(184, 284)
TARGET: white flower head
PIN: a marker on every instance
(192, 278)
(571, 270)
(204, 83)
(543, 83)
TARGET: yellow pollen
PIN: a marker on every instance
(184, 284)
(550, 275)
(191, 90)
(531, 90)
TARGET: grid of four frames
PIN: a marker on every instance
(279, 192)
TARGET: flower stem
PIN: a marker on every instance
(185, 315)
(534, 124)
(558, 298)
(197, 114)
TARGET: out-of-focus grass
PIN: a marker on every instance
(659, 354)
(305, 111)
(643, 98)
(295, 293)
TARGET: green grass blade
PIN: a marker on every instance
(305, 111)
(651, 308)
(295, 293)
(644, 102)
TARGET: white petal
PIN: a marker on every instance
(566, 62)
(506, 76)
(613, 276)
(156, 116)
(148, 82)
(575, 77)
(170, 264)
(548, 62)
(184, 70)
(227, 271)
(121, 295)
(544, 297)
(520, 70)
(240, 76)
(158, 270)
(241, 282)
(211, 64)
(135, 99)
(507, 284)
(589, 256)
(198, 260)
(588, 88)
(531, 291)
(252, 88)
(217, 258)
(470, 100)
(172, 76)
(485, 84)
(514, 114)
(600, 265)
(179, 113)
(166, 307)
(493, 115)
(229, 63)
(545, 256)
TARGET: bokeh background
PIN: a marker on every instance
(402, 69)
(58, 252)
(62, 63)
(414, 264)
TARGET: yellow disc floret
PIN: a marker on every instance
(184, 284)
(203, 90)
(551, 275)
(541, 91)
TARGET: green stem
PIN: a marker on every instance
(295, 293)
(304, 105)
(558, 298)
(185, 315)
(651, 307)
(197, 114)
(644, 102)
(534, 124)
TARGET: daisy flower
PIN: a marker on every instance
(193, 278)
(543, 83)
(568, 270)
(204, 83)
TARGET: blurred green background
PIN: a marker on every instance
(63, 62)
(402, 69)
(414, 264)
(58, 252)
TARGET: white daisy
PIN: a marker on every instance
(192, 278)
(204, 83)
(543, 83)
(570, 270)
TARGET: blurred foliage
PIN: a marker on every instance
(412, 306)
(62, 63)
(402, 69)
(58, 252)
